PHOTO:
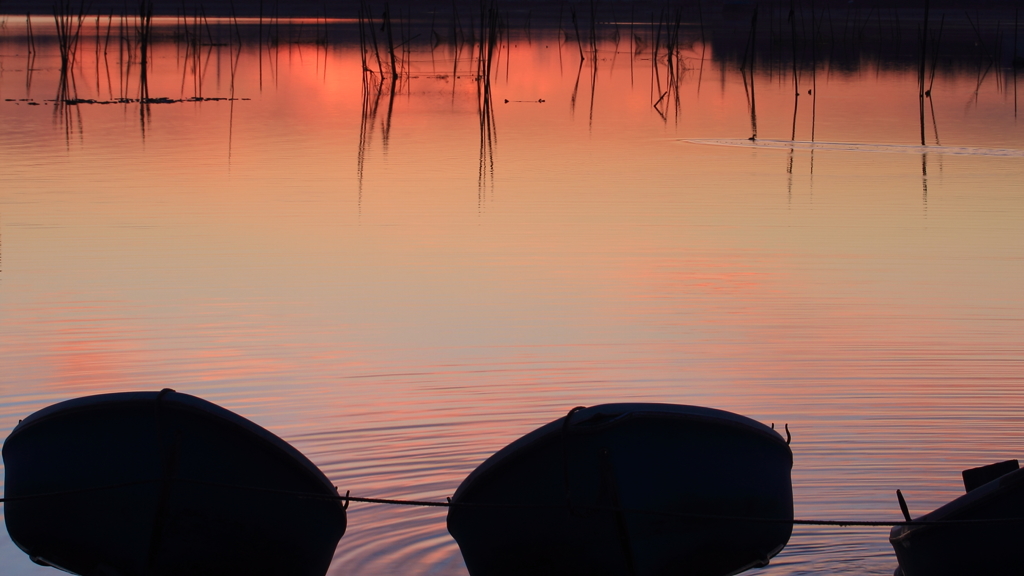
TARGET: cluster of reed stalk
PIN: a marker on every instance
(69, 28)
(385, 56)
(791, 40)
(133, 48)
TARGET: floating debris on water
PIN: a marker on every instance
(160, 100)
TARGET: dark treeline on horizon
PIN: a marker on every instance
(746, 34)
(542, 11)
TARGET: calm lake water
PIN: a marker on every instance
(400, 285)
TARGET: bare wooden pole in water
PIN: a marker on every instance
(260, 42)
(921, 68)
(796, 77)
(753, 69)
(575, 25)
(935, 56)
(814, 72)
(1015, 63)
(391, 42)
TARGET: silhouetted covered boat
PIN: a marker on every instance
(147, 483)
(629, 489)
(983, 533)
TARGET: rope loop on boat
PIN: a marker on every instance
(348, 498)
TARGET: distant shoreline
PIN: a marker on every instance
(542, 12)
(766, 34)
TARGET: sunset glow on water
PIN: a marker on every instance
(371, 277)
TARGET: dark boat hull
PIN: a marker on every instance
(973, 546)
(148, 483)
(638, 489)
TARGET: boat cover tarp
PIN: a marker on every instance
(629, 489)
(153, 484)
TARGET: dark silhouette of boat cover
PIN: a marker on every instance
(984, 531)
(629, 489)
(148, 484)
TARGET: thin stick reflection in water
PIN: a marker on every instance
(796, 96)
(575, 90)
(30, 66)
(593, 91)
(924, 180)
(372, 93)
(386, 125)
(485, 109)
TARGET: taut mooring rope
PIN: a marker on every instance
(449, 504)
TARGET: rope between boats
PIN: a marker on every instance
(449, 504)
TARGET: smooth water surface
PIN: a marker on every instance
(399, 283)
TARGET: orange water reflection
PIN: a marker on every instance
(403, 304)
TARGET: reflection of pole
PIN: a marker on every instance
(489, 37)
(31, 56)
(924, 178)
(29, 66)
(575, 90)
(231, 106)
(789, 177)
(367, 122)
(593, 90)
(386, 128)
